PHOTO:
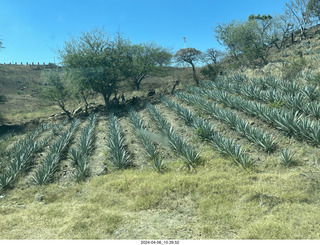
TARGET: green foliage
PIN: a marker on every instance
(159, 165)
(313, 7)
(142, 133)
(79, 155)
(145, 59)
(55, 89)
(180, 146)
(244, 40)
(276, 104)
(21, 155)
(118, 155)
(211, 71)
(286, 157)
(190, 56)
(95, 62)
(50, 164)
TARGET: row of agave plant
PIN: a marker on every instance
(287, 121)
(179, 146)
(145, 138)
(22, 153)
(80, 154)
(118, 155)
(50, 164)
(206, 132)
(295, 102)
(253, 134)
(309, 92)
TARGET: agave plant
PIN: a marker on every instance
(311, 92)
(79, 155)
(143, 135)
(312, 109)
(284, 120)
(159, 165)
(286, 157)
(234, 122)
(50, 165)
(180, 147)
(206, 132)
(118, 155)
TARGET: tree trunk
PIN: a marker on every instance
(137, 83)
(106, 100)
(61, 104)
(194, 74)
(85, 103)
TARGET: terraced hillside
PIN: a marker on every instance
(235, 158)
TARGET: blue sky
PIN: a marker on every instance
(32, 30)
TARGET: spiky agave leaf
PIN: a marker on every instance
(119, 157)
(286, 157)
(159, 165)
(46, 173)
(82, 170)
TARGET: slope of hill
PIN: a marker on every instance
(228, 162)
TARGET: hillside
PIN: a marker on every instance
(237, 158)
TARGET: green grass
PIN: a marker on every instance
(219, 201)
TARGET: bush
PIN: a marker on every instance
(211, 71)
(3, 99)
(291, 70)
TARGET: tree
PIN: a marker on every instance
(248, 40)
(281, 28)
(297, 11)
(226, 35)
(190, 56)
(54, 89)
(96, 62)
(144, 60)
(313, 7)
(213, 68)
(213, 55)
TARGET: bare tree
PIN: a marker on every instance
(190, 56)
(280, 31)
(214, 55)
(297, 11)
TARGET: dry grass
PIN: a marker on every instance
(219, 201)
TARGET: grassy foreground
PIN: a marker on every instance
(219, 201)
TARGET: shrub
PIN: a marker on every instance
(276, 105)
(291, 70)
(211, 71)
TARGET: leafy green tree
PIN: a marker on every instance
(54, 89)
(313, 7)
(96, 62)
(227, 35)
(146, 59)
(190, 56)
(248, 40)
